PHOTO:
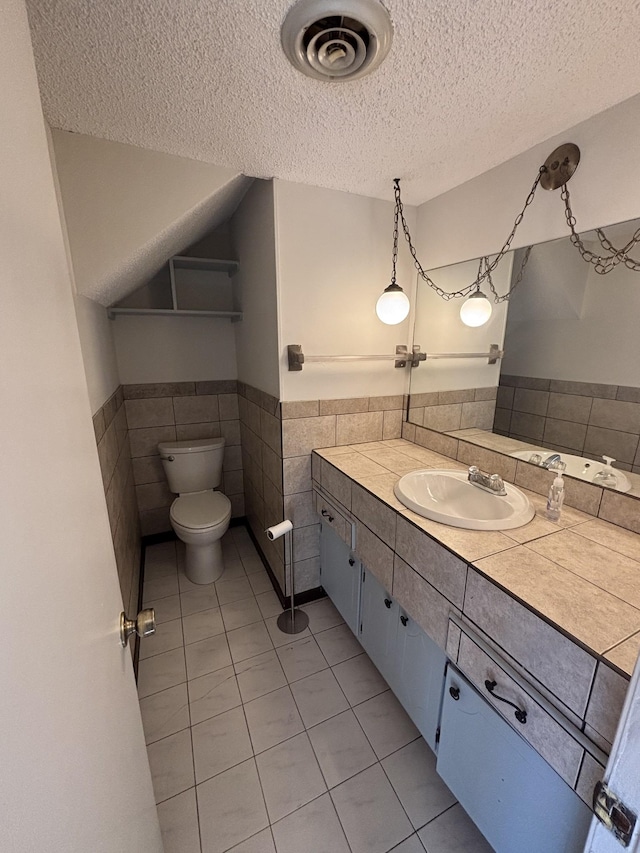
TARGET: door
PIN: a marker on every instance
(622, 775)
(379, 627)
(420, 666)
(340, 576)
(509, 791)
(74, 775)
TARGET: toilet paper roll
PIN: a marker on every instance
(279, 530)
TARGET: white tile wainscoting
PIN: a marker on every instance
(264, 742)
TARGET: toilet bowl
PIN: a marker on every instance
(200, 515)
(200, 520)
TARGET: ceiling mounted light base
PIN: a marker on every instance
(560, 166)
(335, 40)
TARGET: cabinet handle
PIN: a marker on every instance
(326, 515)
(404, 620)
(520, 714)
(454, 692)
(387, 603)
(352, 562)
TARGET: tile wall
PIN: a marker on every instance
(110, 425)
(574, 417)
(277, 440)
(608, 504)
(261, 437)
(452, 410)
(176, 411)
(325, 423)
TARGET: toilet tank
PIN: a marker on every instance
(192, 466)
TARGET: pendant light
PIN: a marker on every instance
(393, 305)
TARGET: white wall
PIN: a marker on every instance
(253, 236)
(98, 351)
(96, 340)
(475, 218)
(438, 328)
(334, 261)
(129, 209)
(173, 349)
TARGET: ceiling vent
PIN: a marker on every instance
(336, 39)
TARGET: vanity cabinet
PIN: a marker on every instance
(340, 572)
(411, 663)
(528, 787)
(514, 797)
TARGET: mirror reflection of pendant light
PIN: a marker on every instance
(476, 310)
(393, 305)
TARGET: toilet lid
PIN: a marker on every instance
(200, 510)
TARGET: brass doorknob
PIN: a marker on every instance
(144, 625)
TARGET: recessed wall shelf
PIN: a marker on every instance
(177, 312)
(180, 304)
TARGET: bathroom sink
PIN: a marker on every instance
(448, 497)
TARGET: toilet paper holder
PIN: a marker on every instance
(292, 621)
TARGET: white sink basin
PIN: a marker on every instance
(448, 497)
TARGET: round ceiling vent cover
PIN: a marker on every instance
(336, 39)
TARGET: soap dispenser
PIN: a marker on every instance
(606, 476)
(556, 497)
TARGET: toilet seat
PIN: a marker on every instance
(201, 510)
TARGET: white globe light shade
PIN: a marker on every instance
(476, 310)
(393, 306)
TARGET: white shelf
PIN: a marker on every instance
(177, 312)
(182, 262)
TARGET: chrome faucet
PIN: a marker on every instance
(490, 482)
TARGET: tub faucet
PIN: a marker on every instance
(490, 482)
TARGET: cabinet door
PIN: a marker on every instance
(379, 627)
(514, 797)
(340, 576)
(420, 665)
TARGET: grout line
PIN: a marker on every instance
(437, 817)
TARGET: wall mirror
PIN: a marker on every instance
(569, 381)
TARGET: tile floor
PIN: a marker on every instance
(264, 742)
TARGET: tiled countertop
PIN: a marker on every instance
(581, 574)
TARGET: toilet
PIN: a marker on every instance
(199, 515)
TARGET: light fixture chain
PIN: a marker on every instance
(489, 267)
(623, 254)
(395, 229)
(519, 277)
(601, 264)
(630, 245)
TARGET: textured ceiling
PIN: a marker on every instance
(467, 85)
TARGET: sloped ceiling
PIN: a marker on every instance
(467, 85)
(127, 209)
